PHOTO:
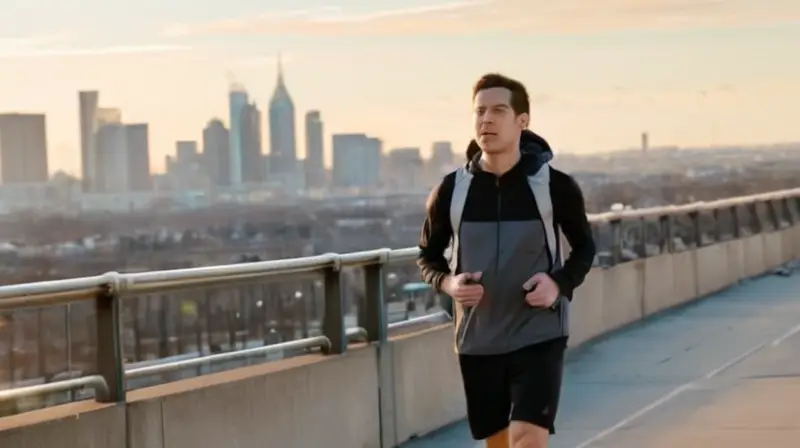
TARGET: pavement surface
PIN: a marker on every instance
(723, 371)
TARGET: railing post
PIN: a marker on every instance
(757, 224)
(375, 321)
(616, 241)
(787, 210)
(667, 243)
(796, 201)
(110, 364)
(642, 246)
(773, 215)
(333, 325)
(737, 224)
(697, 234)
(717, 225)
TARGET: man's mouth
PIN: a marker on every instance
(486, 134)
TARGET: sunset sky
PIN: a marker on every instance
(690, 72)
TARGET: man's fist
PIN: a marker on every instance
(542, 291)
(464, 288)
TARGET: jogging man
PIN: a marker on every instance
(504, 213)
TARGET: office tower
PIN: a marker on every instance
(356, 160)
(252, 161)
(112, 161)
(283, 148)
(87, 110)
(216, 153)
(23, 148)
(138, 146)
(237, 101)
(186, 152)
(315, 159)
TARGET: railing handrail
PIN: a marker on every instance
(58, 292)
(109, 288)
(100, 387)
(354, 334)
(96, 382)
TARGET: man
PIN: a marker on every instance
(504, 212)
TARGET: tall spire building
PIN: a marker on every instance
(283, 146)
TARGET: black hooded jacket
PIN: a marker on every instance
(509, 198)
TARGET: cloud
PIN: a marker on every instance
(30, 52)
(513, 16)
(323, 21)
(28, 42)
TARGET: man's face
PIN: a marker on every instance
(497, 127)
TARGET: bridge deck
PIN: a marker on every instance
(721, 372)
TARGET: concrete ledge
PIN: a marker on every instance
(306, 401)
(84, 424)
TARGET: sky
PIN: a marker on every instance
(688, 72)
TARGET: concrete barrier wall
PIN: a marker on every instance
(379, 395)
(301, 402)
(83, 424)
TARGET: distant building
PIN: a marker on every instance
(356, 161)
(138, 146)
(87, 112)
(238, 101)
(315, 159)
(23, 148)
(282, 132)
(216, 153)
(113, 161)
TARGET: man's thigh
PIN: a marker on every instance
(487, 392)
(535, 375)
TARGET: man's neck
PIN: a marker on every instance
(499, 163)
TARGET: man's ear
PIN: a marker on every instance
(523, 120)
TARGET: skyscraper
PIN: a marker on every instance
(238, 100)
(356, 160)
(252, 158)
(87, 109)
(283, 147)
(315, 159)
(112, 162)
(138, 145)
(23, 148)
(217, 153)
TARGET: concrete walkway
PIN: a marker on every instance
(723, 372)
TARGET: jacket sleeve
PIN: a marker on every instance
(436, 235)
(570, 215)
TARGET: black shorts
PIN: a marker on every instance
(524, 385)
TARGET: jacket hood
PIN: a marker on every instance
(534, 148)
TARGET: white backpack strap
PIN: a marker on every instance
(457, 200)
(540, 186)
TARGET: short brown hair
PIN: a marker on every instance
(520, 102)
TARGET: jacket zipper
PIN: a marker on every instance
(471, 310)
(497, 239)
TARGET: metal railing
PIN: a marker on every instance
(110, 289)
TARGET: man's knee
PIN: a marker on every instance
(528, 435)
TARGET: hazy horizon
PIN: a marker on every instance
(690, 73)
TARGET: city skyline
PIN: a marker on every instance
(688, 73)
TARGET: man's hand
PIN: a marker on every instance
(461, 290)
(543, 291)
